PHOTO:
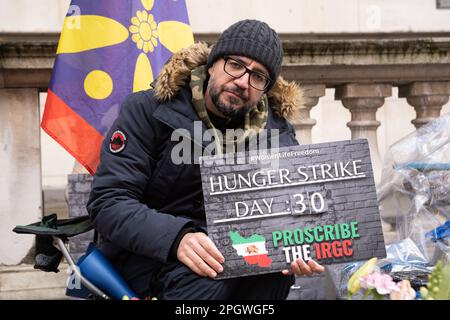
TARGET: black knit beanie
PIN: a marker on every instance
(253, 39)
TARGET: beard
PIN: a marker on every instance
(232, 106)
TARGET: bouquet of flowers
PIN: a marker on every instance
(378, 284)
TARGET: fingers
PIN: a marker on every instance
(315, 267)
(286, 272)
(300, 268)
(206, 258)
(211, 248)
(200, 254)
(197, 263)
(193, 266)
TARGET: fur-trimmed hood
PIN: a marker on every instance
(285, 98)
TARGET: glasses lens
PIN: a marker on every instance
(233, 68)
(237, 70)
(258, 81)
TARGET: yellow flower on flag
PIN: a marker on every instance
(144, 30)
(96, 32)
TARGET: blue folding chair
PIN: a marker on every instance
(96, 277)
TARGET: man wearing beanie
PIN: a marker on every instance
(147, 204)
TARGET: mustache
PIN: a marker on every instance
(237, 91)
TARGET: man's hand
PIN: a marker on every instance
(300, 268)
(200, 254)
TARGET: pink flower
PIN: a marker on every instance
(382, 282)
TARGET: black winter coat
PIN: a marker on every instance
(140, 199)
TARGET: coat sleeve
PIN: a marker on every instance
(115, 204)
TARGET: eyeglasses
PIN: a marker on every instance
(236, 69)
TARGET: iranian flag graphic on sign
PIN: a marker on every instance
(253, 248)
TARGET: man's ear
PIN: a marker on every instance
(211, 69)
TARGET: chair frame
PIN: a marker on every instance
(89, 285)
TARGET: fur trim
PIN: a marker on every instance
(286, 98)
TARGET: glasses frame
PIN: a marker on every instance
(247, 70)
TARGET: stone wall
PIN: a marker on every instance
(79, 187)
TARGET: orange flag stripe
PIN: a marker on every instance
(72, 132)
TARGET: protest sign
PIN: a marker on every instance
(318, 201)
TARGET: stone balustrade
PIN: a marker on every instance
(363, 73)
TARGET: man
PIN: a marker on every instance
(148, 208)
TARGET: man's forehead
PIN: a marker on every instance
(249, 61)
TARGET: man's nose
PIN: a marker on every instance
(242, 82)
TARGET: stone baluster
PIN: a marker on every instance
(427, 98)
(20, 179)
(363, 100)
(303, 127)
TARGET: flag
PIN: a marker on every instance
(107, 50)
(252, 249)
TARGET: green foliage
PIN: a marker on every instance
(438, 283)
